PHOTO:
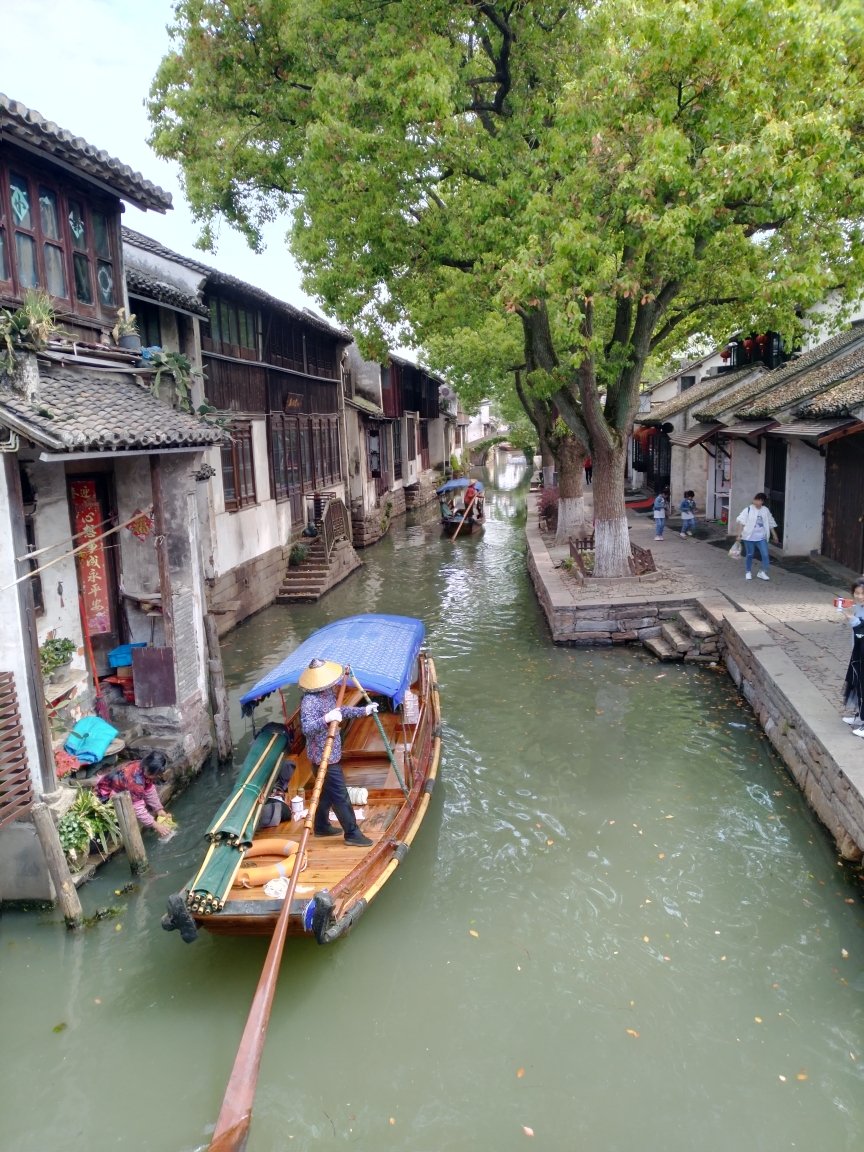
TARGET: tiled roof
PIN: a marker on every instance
(81, 411)
(837, 401)
(214, 278)
(19, 122)
(807, 384)
(753, 388)
(140, 284)
(708, 386)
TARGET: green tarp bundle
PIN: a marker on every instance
(230, 833)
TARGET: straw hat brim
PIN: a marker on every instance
(317, 679)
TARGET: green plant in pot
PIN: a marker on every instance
(88, 820)
(28, 328)
(125, 331)
(55, 656)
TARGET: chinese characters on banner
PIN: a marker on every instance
(91, 560)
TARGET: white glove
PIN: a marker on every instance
(334, 716)
(370, 708)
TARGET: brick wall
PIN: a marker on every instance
(247, 588)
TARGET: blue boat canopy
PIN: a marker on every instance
(380, 649)
(451, 484)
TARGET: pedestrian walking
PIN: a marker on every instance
(589, 470)
(661, 508)
(854, 686)
(688, 513)
(756, 523)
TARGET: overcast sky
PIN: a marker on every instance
(88, 65)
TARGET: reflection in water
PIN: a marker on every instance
(642, 878)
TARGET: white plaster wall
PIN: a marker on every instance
(805, 498)
(139, 572)
(12, 658)
(437, 453)
(748, 477)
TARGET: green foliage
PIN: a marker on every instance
(570, 188)
(179, 368)
(299, 552)
(28, 328)
(53, 653)
(88, 819)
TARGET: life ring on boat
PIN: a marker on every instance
(258, 877)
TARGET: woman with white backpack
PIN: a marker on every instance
(756, 524)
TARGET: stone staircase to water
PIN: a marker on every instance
(686, 636)
(308, 580)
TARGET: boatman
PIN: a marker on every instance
(317, 711)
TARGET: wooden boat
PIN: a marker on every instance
(339, 881)
(457, 522)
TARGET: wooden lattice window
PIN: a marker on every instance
(238, 469)
(16, 789)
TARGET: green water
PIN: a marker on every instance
(711, 856)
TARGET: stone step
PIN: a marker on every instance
(696, 625)
(316, 586)
(674, 637)
(661, 649)
(298, 597)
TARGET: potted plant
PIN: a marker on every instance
(125, 331)
(55, 659)
(89, 825)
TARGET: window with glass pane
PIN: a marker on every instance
(83, 282)
(277, 453)
(54, 273)
(293, 449)
(19, 189)
(318, 452)
(247, 487)
(49, 214)
(306, 451)
(397, 449)
(77, 226)
(5, 271)
(101, 234)
(25, 251)
(105, 282)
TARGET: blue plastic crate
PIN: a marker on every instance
(122, 657)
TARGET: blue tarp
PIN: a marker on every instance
(451, 484)
(380, 649)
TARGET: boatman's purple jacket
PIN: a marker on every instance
(313, 708)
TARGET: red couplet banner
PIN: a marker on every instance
(91, 560)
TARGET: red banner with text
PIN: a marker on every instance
(91, 560)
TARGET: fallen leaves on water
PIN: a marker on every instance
(392, 1120)
(118, 927)
(802, 1075)
(783, 1078)
(520, 1073)
(667, 958)
(473, 933)
(550, 841)
(60, 1027)
(758, 1019)
(849, 900)
(528, 1131)
(662, 856)
(646, 939)
(670, 817)
(844, 953)
(630, 1032)
(611, 822)
(97, 1001)
(662, 676)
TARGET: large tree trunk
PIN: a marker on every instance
(611, 537)
(571, 500)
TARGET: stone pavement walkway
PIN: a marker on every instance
(799, 611)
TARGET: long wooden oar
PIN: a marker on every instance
(235, 1115)
(465, 515)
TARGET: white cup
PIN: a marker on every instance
(296, 807)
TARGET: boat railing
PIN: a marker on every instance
(334, 525)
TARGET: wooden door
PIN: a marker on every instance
(843, 528)
(776, 450)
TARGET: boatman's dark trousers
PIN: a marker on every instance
(334, 795)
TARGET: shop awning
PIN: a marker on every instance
(822, 431)
(745, 428)
(690, 437)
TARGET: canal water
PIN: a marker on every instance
(618, 927)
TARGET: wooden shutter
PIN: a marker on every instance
(16, 790)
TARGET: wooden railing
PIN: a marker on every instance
(16, 792)
(334, 525)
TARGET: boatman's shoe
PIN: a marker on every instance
(357, 839)
(329, 831)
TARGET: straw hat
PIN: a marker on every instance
(319, 675)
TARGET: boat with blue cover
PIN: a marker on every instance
(461, 514)
(390, 761)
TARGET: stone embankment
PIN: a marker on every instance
(705, 626)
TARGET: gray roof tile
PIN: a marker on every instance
(81, 411)
(837, 401)
(27, 125)
(706, 387)
(806, 384)
(140, 284)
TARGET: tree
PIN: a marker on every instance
(614, 176)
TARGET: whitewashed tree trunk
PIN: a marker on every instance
(611, 536)
(571, 519)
